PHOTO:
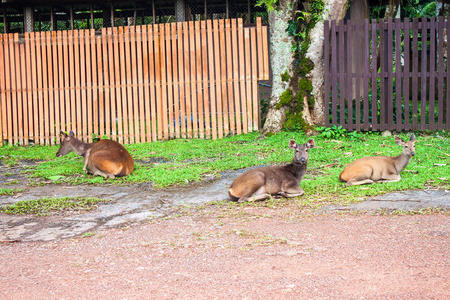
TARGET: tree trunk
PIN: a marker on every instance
(334, 10)
(281, 57)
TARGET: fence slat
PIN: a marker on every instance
(212, 80)
(398, 76)
(236, 96)
(243, 97)
(260, 49)
(89, 88)
(349, 78)
(447, 119)
(168, 60)
(56, 88)
(140, 83)
(9, 91)
(164, 108)
(432, 24)
(181, 82)
(108, 64)
(374, 76)
(223, 76)
(205, 81)
(83, 82)
(334, 78)
(423, 74)
(76, 39)
(2, 90)
(132, 31)
(158, 82)
(114, 84)
(406, 74)
(101, 93)
(198, 82)
(341, 73)
(254, 80)
(95, 89)
(326, 71)
(390, 121)
(366, 75)
(248, 79)
(33, 54)
(218, 78)
(29, 99)
(176, 83)
(193, 79)
(45, 86)
(123, 86)
(146, 100)
(265, 50)
(440, 75)
(67, 92)
(229, 69)
(19, 112)
(415, 72)
(152, 59)
(187, 74)
(129, 85)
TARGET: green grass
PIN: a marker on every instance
(9, 192)
(190, 160)
(49, 206)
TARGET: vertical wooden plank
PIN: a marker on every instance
(51, 103)
(218, 79)
(254, 80)
(447, 119)
(106, 82)
(94, 107)
(9, 90)
(168, 59)
(383, 47)
(187, 72)
(111, 85)
(132, 31)
(265, 52)
(248, 79)
(67, 87)
(398, 77)
(326, 71)
(182, 117)
(146, 86)
(342, 87)
(334, 80)
(432, 24)
(242, 98)
(374, 67)
(212, 81)
(140, 83)
(206, 83)
(366, 75)
(406, 72)
(158, 82)
(45, 87)
(390, 120)
(259, 45)
(117, 86)
(441, 76)
(89, 88)
(237, 96)
(76, 39)
(349, 78)
(423, 74)
(28, 99)
(357, 27)
(101, 94)
(123, 86)
(198, 62)
(58, 81)
(231, 98)
(164, 107)
(71, 46)
(194, 99)
(2, 90)
(152, 60)
(61, 97)
(56, 127)
(223, 77)
(35, 94)
(84, 134)
(415, 73)
(176, 99)
(18, 124)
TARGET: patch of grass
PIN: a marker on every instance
(9, 192)
(88, 234)
(49, 206)
(182, 161)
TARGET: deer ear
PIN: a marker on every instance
(399, 141)
(412, 138)
(63, 134)
(72, 134)
(310, 144)
(292, 144)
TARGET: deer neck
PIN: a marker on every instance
(80, 148)
(401, 161)
(298, 170)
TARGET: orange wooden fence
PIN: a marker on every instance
(133, 84)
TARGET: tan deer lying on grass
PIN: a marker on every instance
(106, 158)
(260, 183)
(379, 168)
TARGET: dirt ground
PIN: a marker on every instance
(249, 252)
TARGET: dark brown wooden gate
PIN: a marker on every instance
(387, 75)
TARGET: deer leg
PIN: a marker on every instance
(86, 160)
(359, 182)
(255, 198)
(96, 171)
(391, 178)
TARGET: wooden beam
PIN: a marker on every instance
(92, 16)
(112, 15)
(71, 17)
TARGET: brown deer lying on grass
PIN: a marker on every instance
(260, 183)
(379, 168)
(106, 158)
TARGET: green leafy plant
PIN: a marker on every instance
(333, 132)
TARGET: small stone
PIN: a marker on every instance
(386, 133)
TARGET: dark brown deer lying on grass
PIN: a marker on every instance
(106, 158)
(379, 168)
(261, 183)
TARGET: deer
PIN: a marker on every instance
(368, 170)
(263, 182)
(105, 157)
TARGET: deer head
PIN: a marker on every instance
(67, 143)
(409, 146)
(301, 151)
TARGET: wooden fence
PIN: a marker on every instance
(387, 75)
(133, 84)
